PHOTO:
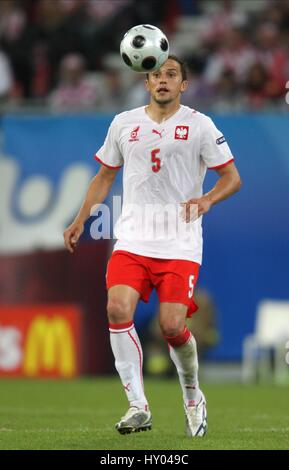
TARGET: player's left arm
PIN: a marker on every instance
(229, 182)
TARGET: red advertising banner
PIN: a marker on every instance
(40, 340)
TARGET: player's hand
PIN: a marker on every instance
(194, 208)
(72, 234)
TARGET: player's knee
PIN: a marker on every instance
(172, 327)
(118, 311)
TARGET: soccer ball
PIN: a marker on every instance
(144, 48)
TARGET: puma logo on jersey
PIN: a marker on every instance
(154, 131)
(133, 134)
(182, 132)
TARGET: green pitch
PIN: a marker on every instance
(81, 415)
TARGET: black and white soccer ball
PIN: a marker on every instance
(144, 48)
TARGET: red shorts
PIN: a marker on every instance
(174, 280)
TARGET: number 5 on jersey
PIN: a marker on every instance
(191, 286)
(156, 161)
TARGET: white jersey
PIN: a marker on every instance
(164, 165)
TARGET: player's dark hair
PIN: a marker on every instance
(183, 66)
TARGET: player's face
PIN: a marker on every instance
(166, 84)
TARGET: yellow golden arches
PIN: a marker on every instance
(49, 347)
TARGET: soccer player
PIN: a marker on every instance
(165, 149)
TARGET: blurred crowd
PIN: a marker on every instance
(242, 62)
(63, 54)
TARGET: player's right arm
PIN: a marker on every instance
(97, 192)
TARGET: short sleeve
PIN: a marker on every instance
(215, 151)
(109, 154)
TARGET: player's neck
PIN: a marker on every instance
(160, 113)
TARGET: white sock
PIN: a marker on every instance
(127, 350)
(185, 358)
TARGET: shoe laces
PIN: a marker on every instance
(193, 412)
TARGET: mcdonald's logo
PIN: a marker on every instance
(50, 347)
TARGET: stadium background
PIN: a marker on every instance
(51, 124)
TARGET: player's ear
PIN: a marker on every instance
(184, 85)
(147, 84)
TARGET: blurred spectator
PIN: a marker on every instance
(137, 94)
(199, 94)
(113, 92)
(87, 27)
(74, 91)
(220, 22)
(6, 81)
(261, 91)
(255, 87)
(105, 8)
(235, 54)
(273, 56)
(274, 13)
(203, 323)
(56, 34)
(203, 326)
(12, 20)
(227, 94)
(16, 41)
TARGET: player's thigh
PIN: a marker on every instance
(122, 302)
(172, 318)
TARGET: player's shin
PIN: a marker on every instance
(128, 355)
(183, 352)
